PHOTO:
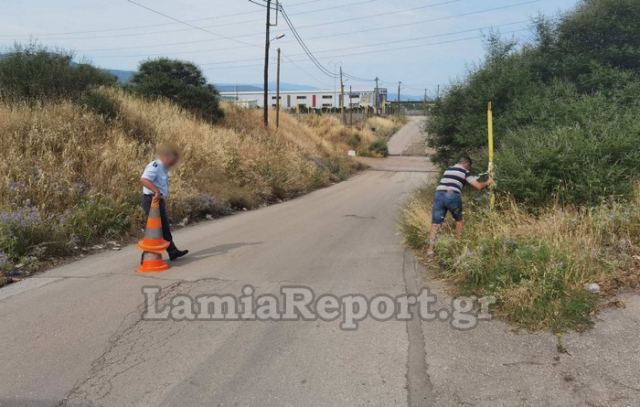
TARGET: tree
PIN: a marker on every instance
(35, 73)
(181, 82)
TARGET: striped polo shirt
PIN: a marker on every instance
(454, 179)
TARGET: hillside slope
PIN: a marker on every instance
(70, 176)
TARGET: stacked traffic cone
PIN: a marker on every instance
(153, 243)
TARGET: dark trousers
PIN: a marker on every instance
(166, 228)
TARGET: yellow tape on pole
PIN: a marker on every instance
(492, 198)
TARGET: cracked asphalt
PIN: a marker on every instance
(74, 336)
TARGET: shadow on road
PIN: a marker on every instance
(212, 252)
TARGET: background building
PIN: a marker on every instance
(310, 99)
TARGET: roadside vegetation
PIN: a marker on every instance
(568, 213)
(72, 158)
(368, 138)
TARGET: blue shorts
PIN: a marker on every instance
(446, 202)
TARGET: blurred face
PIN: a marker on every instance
(466, 165)
(169, 160)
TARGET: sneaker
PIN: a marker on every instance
(177, 254)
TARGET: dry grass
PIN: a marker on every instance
(56, 151)
(360, 137)
(537, 265)
(59, 159)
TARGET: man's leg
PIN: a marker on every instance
(457, 211)
(438, 213)
(459, 229)
(166, 229)
(433, 233)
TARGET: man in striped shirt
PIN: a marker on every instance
(449, 198)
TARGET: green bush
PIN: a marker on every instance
(35, 73)
(26, 232)
(379, 148)
(97, 219)
(101, 104)
(563, 108)
(354, 141)
(580, 163)
(181, 82)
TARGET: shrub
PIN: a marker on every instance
(354, 141)
(583, 163)
(379, 148)
(181, 82)
(535, 265)
(101, 104)
(35, 73)
(563, 108)
(95, 219)
(27, 232)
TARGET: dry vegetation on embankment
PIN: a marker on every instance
(566, 163)
(70, 177)
(368, 138)
(536, 266)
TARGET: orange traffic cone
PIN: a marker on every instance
(153, 243)
(152, 263)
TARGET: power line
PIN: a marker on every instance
(195, 20)
(404, 25)
(229, 64)
(304, 71)
(358, 3)
(385, 14)
(137, 27)
(327, 50)
(187, 23)
(298, 38)
(382, 43)
(333, 35)
(342, 33)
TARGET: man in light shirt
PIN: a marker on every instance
(155, 186)
(449, 198)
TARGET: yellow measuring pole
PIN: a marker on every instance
(492, 198)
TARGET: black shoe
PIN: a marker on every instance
(177, 254)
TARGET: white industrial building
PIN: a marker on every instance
(310, 99)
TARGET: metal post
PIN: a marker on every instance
(425, 101)
(344, 119)
(492, 196)
(350, 106)
(399, 85)
(266, 65)
(375, 103)
(278, 94)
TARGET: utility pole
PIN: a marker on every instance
(344, 118)
(375, 103)
(425, 101)
(350, 106)
(266, 65)
(438, 94)
(399, 85)
(278, 94)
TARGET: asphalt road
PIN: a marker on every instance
(75, 335)
(410, 140)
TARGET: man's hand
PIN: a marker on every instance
(490, 182)
(482, 185)
(151, 186)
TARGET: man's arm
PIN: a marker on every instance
(481, 185)
(151, 186)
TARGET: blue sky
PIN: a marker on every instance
(420, 42)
